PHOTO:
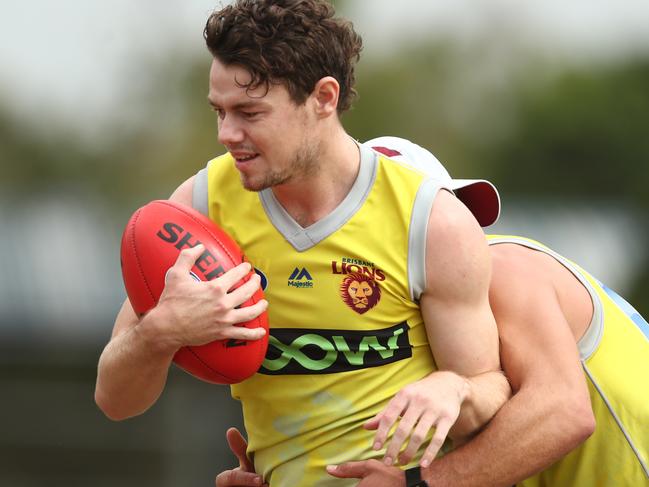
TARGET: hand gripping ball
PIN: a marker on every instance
(152, 240)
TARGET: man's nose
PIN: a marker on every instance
(230, 132)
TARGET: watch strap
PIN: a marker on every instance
(413, 477)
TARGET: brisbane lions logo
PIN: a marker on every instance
(360, 292)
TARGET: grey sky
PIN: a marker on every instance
(74, 59)
(576, 28)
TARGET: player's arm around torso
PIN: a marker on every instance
(459, 322)
(550, 412)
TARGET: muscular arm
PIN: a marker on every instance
(133, 366)
(469, 386)
(132, 371)
(550, 411)
(455, 305)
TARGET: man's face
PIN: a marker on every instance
(272, 140)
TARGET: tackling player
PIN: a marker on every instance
(576, 355)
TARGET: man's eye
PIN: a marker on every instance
(250, 114)
(219, 112)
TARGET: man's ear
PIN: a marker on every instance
(325, 96)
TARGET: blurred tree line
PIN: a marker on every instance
(573, 133)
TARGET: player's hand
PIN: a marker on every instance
(371, 472)
(195, 312)
(244, 475)
(433, 402)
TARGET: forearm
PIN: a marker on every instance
(131, 374)
(528, 434)
(485, 395)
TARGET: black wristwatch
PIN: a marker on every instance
(413, 477)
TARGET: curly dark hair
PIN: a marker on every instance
(291, 42)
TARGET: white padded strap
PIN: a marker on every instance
(421, 209)
(199, 192)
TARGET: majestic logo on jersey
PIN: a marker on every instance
(360, 292)
(300, 278)
(308, 351)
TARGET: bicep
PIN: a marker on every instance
(455, 304)
(537, 344)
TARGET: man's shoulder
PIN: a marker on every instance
(515, 271)
(451, 221)
(183, 193)
(457, 257)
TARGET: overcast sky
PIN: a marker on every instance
(74, 58)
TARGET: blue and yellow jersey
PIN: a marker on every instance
(615, 358)
(346, 332)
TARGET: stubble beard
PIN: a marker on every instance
(305, 163)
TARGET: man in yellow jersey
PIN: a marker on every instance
(376, 275)
(576, 355)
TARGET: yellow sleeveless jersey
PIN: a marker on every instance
(346, 333)
(615, 358)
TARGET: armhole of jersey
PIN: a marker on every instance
(589, 342)
(199, 192)
(421, 209)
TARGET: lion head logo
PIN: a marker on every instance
(360, 292)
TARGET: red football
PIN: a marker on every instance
(152, 240)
